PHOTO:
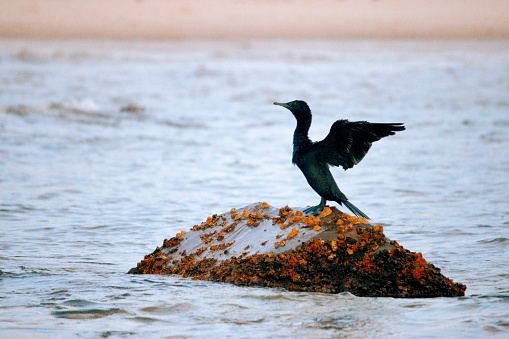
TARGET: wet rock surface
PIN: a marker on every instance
(260, 245)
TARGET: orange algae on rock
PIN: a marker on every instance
(281, 243)
(325, 212)
(293, 233)
(345, 254)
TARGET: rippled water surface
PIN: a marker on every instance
(107, 148)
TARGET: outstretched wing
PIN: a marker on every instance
(348, 142)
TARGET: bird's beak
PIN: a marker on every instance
(281, 104)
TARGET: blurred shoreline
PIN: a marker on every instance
(254, 19)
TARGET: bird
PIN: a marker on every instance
(346, 145)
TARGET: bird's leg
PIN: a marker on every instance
(316, 209)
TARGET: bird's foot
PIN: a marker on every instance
(315, 210)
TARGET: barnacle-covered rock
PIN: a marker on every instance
(260, 245)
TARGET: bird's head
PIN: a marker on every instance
(299, 109)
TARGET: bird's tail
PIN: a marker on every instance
(354, 209)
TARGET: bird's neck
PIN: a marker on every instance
(300, 136)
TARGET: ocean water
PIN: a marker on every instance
(108, 147)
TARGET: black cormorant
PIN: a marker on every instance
(345, 145)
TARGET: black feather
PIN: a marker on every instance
(346, 145)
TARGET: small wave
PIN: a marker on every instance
(117, 334)
(144, 320)
(84, 110)
(78, 303)
(495, 297)
(155, 309)
(499, 240)
(16, 208)
(85, 106)
(20, 110)
(455, 232)
(47, 196)
(411, 192)
(494, 137)
(93, 313)
(80, 110)
(178, 308)
(132, 108)
(183, 125)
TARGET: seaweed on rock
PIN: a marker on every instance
(260, 245)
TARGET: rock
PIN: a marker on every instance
(260, 245)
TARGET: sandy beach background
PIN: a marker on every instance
(235, 19)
